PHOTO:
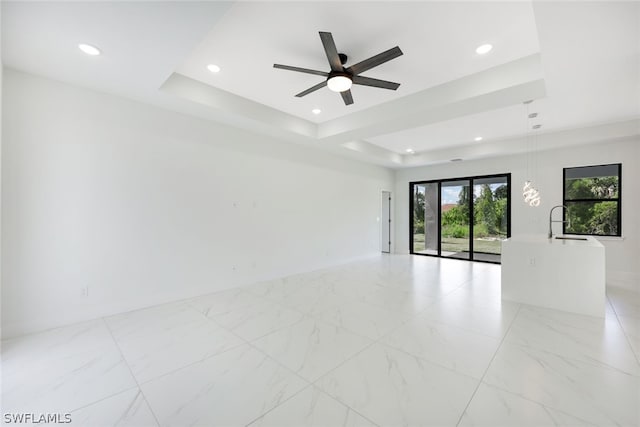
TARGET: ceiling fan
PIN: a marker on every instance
(340, 79)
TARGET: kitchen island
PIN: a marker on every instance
(563, 272)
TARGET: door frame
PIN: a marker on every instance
(389, 222)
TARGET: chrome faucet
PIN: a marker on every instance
(551, 221)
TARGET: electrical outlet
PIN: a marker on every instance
(532, 262)
(84, 291)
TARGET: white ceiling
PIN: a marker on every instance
(438, 41)
(579, 60)
(590, 54)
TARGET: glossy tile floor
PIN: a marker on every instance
(390, 341)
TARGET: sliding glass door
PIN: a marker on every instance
(425, 219)
(464, 218)
(490, 217)
(455, 219)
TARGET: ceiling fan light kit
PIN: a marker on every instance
(339, 83)
(341, 78)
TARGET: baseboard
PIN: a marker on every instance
(96, 310)
(91, 312)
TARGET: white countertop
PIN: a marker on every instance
(541, 239)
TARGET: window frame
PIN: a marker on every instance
(617, 199)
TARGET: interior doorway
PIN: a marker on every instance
(385, 223)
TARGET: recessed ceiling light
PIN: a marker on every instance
(410, 150)
(213, 68)
(316, 111)
(536, 126)
(88, 49)
(482, 49)
(477, 138)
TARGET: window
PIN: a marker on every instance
(592, 197)
(463, 218)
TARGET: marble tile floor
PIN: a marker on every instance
(389, 341)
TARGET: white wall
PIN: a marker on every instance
(145, 206)
(623, 268)
(1, 101)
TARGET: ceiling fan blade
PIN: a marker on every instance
(374, 61)
(301, 70)
(331, 51)
(312, 89)
(368, 81)
(346, 97)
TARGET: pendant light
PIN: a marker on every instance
(530, 193)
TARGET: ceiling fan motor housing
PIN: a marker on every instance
(344, 73)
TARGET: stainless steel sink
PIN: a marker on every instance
(571, 238)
